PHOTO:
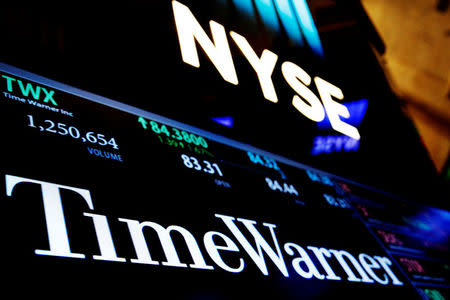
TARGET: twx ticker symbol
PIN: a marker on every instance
(294, 16)
(27, 89)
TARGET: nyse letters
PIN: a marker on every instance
(218, 51)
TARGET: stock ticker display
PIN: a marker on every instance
(220, 149)
(104, 199)
(277, 75)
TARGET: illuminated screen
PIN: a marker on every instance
(104, 199)
(296, 78)
(220, 149)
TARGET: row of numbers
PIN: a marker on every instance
(263, 160)
(207, 167)
(72, 131)
(266, 162)
(174, 133)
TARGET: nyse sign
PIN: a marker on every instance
(190, 33)
(363, 269)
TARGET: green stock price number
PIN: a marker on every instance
(174, 133)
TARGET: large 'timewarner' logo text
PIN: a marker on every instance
(218, 51)
(364, 268)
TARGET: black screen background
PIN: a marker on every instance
(131, 54)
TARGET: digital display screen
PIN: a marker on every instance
(296, 78)
(103, 199)
(220, 149)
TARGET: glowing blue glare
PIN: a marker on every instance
(329, 144)
(308, 27)
(268, 14)
(246, 7)
(357, 110)
(287, 17)
(324, 179)
(433, 222)
(225, 121)
(294, 15)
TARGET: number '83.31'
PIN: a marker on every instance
(207, 167)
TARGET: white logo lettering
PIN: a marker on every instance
(189, 31)
(303, 264)
(54, 215)
(261, 244)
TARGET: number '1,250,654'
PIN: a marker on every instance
(72, 131)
